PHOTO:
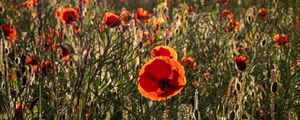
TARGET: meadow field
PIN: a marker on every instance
(149, 59)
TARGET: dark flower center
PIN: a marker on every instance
(6, 32)
(164, 84)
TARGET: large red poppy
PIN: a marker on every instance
(142, 15)
(69, 15)
(161, 78)
(164, 51)
(111, 19)
(8, 31)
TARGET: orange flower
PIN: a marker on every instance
(298, 61)
(33, 62)
(8, 31)
(18, 110)
(85, 2)
(297, 24)
(50, 38)
(161, 78)
(125, 16)
(30, 3)
(228, 14)
(68, 15)
(241, 62)
(164, 51)
(232, 26)
(189, 61)
(224, 2)
(262, 13)
(142, 15)
(281, 40)
(111, 19)
(46, 65)
(65, 54)
(11, 75)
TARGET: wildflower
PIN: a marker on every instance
(111, 19)
(241, 62)
(8, 31)
(161, 78)
(281, 40)
(11, 75)
(46, 65)
(68, 15)
(164, 51)
(142, 15)
(18, 110)
(33, 62)
(125, 16)
(227, 14)
(224, 2)
(85, 2)
(262, 13)
(190, 9)
(189, 61)
(65, 55)
(30, 3)
(232, 26)
(297, 24)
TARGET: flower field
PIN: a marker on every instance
(149, 59)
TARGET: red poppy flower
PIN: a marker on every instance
(46, 65)
(30, 3)
(111, 19)
(18, 110)
(11, 75)
(241, 62)
(164, 51)
(224, 2)
(297, 24)
(142, 15)
(281, 40)
(65, 54)
(227, 13)
(232, 26)
(85, 2)
(68, 15)
(298, 61)
(189, 61)
(33, 62)
(8, 31)
(262, 13)
(161, 78)
(125, 16)
(190, 9)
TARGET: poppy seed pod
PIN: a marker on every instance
(274, 87)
